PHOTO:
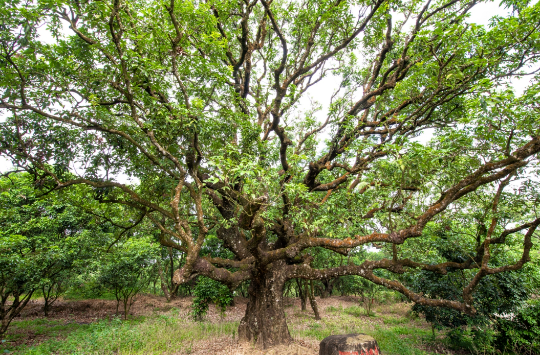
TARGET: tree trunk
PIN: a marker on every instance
(46, 307)
(312, 300)
(8, 312)
(164, 286)
(326, 291)
(264, 322)
(303, 294)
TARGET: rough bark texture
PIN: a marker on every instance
(350, 344)
(264, 322)
(313, 302)
(302, 293)
(164, 287)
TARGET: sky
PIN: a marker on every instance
(480, 14)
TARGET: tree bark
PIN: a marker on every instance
(264, 322)
(7, 313)
(164, 286)
(312, 300)
(328, 288)
(302, 292)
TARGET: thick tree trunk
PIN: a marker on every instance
(264, 322)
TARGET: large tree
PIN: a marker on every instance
(203, 104)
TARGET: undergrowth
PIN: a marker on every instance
(151, 335)
(393, 336)
(398, 333)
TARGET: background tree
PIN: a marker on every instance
(496, 297)
(169, 261)
(127, 269)
(201, 102)
(42, 239)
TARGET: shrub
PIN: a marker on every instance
(207, 291)
(521, 333)
(126, 271)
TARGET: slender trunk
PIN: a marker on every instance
(46, 307)
(7, 313)
(126, 307)
(312, 300)
(46, 293)
(118, 299)
(303, 294)
(264, 322)
(50, 295)
(164, 287)
(287, 289)
(171, 266)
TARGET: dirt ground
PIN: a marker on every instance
(88, 311)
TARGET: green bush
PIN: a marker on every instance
(521, 333)
(476, 340)
(207, 291)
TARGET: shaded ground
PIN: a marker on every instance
(151, 317)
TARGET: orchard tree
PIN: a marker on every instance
(43, 240)
(126, 270)
(204, 105)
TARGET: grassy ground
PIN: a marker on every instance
(145, 335)
(172, 332)
(395, 330)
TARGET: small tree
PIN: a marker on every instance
(17, 279)
(41, 239)
(127, 270)
(369, 291)
(51, 290)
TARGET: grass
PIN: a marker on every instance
(396, 335)
(396, 340)
(39, 327)
(151, 335)
(396, 332)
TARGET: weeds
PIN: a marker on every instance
(395, 331)
(153, 335)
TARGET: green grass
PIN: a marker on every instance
(392, 340)
(395, 320)
(152, 335)
(334, 309)
(396, 336)
(167, 334)
(38, 327)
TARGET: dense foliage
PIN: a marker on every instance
(521, 333)
(42, 239)
(209, 291)
(127, 270)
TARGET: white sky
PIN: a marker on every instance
(321, 92)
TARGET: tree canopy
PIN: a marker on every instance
(203, 104)
(42, 239)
